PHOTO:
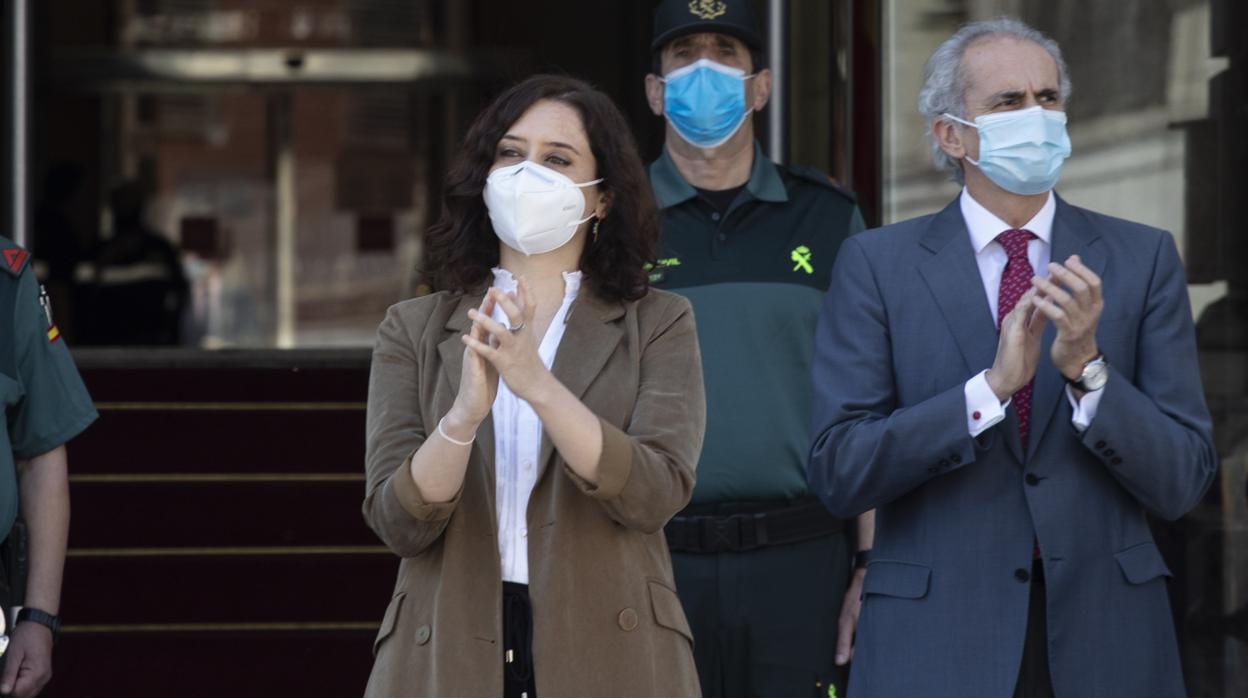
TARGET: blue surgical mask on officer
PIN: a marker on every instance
(1021, 151)
(705, 102)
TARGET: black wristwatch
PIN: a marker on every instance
(862, 558)
(43, 618)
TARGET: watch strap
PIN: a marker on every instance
(862, 558)
(43, 618)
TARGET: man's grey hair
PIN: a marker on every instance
(944, 80)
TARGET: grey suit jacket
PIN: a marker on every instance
(905, 324)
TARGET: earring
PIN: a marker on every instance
(597, 222)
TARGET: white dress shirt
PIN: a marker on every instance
(518, 440)
(983, 409)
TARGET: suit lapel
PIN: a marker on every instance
(451, 351)
(590, 337)
(1071, 235)
(953, 278)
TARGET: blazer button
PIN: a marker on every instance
(955, 458)
(1100, 444)
(1115, 461)
(1032, 479)
(1022, 575)
(1108, 452)
(628, 620)
(423, 633)
(943, 463)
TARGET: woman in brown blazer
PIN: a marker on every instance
(533, 426)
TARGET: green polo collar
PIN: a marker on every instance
(670, 187)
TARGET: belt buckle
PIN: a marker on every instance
(721, 533)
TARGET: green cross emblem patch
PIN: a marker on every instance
(802, 255)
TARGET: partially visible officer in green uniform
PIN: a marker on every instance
(45, 405)
(761, 568)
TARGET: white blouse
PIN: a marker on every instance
(518, 440)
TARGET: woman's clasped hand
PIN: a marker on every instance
(510, 350)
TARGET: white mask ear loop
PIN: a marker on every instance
(964, 122)
(573, 224)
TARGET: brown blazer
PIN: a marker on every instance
(606, 619)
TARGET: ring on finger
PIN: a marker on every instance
(517, 328)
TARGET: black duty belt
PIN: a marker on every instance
(766, 525)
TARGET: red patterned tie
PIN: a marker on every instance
(1015, 281)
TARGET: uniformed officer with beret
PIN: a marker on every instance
(45, 405)
(761, 567)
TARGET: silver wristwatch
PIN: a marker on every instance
(1094, 377)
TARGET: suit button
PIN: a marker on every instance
(943, 464)
(1100, 444)
(1108, 452)
(423, 633)
(628, 620)
(1115, 461)
(1022, 575)
(715, 216)
(955, 458)
(1032, 479)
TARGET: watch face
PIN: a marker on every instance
(1095, 376)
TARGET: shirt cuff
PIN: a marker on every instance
(983, 409)
(1085, 409)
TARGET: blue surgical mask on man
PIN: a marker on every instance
(705, 102)
(1021, 151)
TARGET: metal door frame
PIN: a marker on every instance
(17, 88)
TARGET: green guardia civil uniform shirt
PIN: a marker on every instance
(41, 394)
(756, 275)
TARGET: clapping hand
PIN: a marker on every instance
(478, 385)
(1071, 298)
(1018, 349)
(510, 350)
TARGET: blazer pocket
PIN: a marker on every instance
(389, 622)
(903, 580)
(1142, 563)
(667, 609)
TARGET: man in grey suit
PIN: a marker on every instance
(1012, 555)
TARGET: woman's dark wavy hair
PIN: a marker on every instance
(461, 248)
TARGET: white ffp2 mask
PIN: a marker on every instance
(534, 209)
